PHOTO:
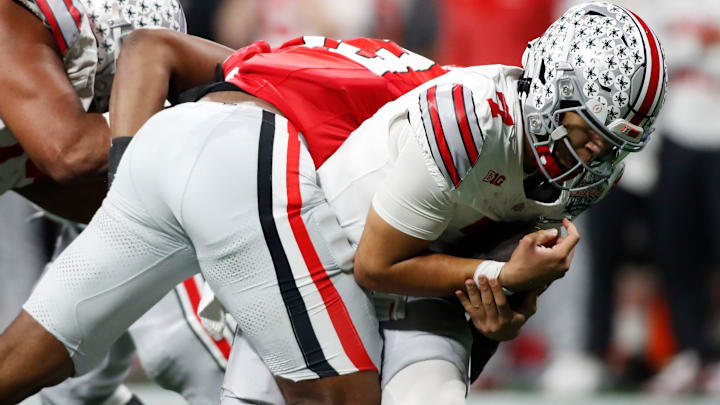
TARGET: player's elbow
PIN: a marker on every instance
(70, 163)
(369, 273)
(70, 169)
(144, 47)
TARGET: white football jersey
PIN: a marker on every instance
(442, 160)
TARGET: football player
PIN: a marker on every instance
(482, 145)
(58, 62)
(341, 325)
(590, 91)
(272, 242)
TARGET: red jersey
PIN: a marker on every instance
(325, 87)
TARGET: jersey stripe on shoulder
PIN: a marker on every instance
(452, 129)
(473, 121)
(75, 8)
(437, 139)
(430, 134)
(64, 18)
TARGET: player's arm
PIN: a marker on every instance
(154, 64)
(390, 260)
(410, 210)
(40, 106)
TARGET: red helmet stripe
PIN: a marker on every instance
(655, 66)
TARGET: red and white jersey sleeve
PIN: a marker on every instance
(463, 123)
(68, 22)
(455, 116)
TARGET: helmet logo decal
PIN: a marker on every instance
(622, 83)
(613, 113)
(606, 78)
(620, 99)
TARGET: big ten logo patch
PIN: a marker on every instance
(494, 178)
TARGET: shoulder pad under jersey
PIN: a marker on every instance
(454, 115)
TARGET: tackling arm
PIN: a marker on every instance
(155, 63)
(40, 106)
(389, 260)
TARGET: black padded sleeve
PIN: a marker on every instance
(117, 149)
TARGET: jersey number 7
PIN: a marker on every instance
(500, 110)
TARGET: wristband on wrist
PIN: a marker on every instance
(491, 270)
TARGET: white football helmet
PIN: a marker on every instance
(112, 20)
(604, 63)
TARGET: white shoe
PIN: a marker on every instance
(573, 373)
(680, 376)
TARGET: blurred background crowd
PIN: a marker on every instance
(637, 311)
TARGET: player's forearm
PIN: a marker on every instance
(86, 158)
(432, 275)
(141, 83)
(152, 65)
(389, 260)
(73, 150)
